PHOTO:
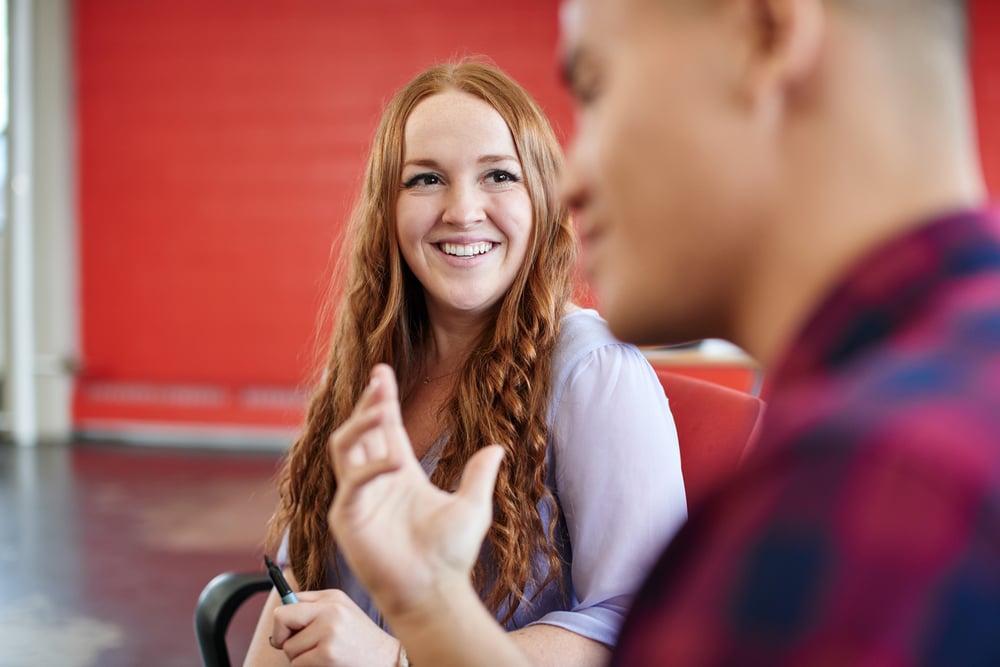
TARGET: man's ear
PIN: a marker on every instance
(787, 38)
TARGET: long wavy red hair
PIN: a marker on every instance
(502, 391)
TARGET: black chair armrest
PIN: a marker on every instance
(216, 607)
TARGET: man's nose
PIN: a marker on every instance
(572, 188)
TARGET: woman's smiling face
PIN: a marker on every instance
(463, 215)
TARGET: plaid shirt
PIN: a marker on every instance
(865, 530)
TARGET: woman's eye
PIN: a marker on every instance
(501, 176)
(422, 179)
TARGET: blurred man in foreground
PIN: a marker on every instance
(800, 177)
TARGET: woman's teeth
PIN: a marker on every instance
(466, 250)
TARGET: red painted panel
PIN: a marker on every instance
(220, 147)
(985, 58)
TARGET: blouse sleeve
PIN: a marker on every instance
(618, 483)
(281, 559)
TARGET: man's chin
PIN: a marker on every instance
(638, 323)
(625, 319)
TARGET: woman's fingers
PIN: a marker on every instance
(308, 639)
(288, 620)
(327, 628)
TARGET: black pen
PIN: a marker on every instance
(284, 590)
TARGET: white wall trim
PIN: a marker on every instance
(21, 388)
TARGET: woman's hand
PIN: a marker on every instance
(406, 540)
(326, 628)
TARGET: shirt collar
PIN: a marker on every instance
(888, 286)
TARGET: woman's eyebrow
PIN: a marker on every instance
(497, 158)
(482, 159)
(421, 162)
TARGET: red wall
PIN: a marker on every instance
(986, 79)
(220, 146)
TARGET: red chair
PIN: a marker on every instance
(716, 427)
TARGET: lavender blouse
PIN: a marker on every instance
(614, 469)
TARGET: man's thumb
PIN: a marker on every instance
(480, 475)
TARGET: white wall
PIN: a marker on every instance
(55, 224)
(50, 225)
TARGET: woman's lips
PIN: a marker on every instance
(466, 249)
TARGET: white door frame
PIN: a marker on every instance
(41, 343)
(21, 391)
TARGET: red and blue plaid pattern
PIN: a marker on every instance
(865, 530)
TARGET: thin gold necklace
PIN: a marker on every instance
(428, 379)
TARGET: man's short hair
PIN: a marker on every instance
(943, 17)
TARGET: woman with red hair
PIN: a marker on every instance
(459, 277)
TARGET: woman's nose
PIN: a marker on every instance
(464, 206)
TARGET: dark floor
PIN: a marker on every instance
(105, 548)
